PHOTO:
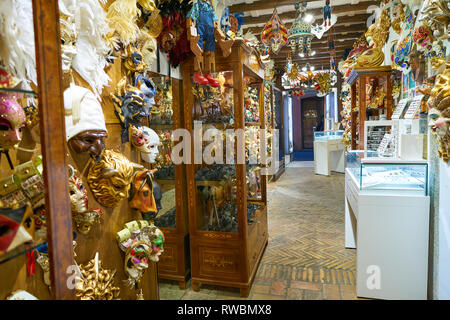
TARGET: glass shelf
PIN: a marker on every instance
(14, 90)
(20, 250)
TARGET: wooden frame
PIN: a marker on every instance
(174, 263)
(358, 80)
(227, 258)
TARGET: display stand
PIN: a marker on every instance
(231, 257)
(388, 226)
(174, 263)
(329, 154)
(379, 77)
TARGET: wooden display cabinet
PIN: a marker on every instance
(359, 80)
(55, 160)
(174, 263)
(226, 243)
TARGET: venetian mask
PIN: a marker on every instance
(145, 194)
(134, 61)
(142, 242)
(85, 122)
(130, 106)
(148, 50)
(110, 178)
(90, 141)
(12, 121)
(16, 227)
(83, 218)
(68, 41)
(146, 141)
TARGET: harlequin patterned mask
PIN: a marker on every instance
(110, 178)
(12, 121)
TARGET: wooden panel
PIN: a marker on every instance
(52, 124)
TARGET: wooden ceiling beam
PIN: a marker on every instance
(359, 19)
(261, 5)
(344, 9)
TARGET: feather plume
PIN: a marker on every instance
(17, 49)
(92, 48)
(122, 15)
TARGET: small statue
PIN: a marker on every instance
(203, 29)
(327, 14)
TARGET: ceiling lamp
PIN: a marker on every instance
(300, 35)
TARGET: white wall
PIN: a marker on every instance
(443, 261)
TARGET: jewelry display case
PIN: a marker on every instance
(371, 99)
(226, 197)
(328, 135)
(386, 220)
(388, 175)
(329, 152)
(174, 263)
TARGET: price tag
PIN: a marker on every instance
(399, 109)
(414, 107)
(384, 144)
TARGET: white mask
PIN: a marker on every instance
(146, 141)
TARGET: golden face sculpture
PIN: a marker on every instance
(378, 31)
(110, 178)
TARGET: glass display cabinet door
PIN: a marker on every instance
(215, 172)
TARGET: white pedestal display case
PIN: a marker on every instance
(386, 220)
(329, 152)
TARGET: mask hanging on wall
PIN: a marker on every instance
(83, 218)
(146, 141)
(145, 194)
(12, 121)
(16, 228)
(85, 122)
(142, 242)
(110, 178)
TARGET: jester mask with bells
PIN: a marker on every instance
(146, 141)
(85, 122)
(145, 194)
(12, 121)
(110, 178)
(83, 218)
(142, 242)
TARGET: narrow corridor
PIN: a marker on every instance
(305, 258)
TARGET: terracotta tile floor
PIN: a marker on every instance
(306, 258)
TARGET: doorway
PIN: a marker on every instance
(312, 120)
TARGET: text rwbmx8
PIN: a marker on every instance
(226, 309)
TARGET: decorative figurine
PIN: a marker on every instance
(110, 178)
(85, 122)
(203, 29)
(327, 13)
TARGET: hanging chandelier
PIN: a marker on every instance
(300, 35)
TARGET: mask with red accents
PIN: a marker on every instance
(12, 121)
